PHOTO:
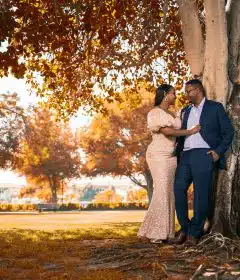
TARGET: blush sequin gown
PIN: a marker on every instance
(159, 221)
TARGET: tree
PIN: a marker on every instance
(78, 46)
(49, 154)
(108, 43)
(116, 144)
(39, 187)
(11, 129)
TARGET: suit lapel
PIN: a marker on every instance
(204, 112)
(185, 117)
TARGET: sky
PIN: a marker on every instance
(11, 84)
(19, 86)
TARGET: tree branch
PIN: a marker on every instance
(21, 114)
(130, 62)
(137, 182)
(164, 31)
(154, 48)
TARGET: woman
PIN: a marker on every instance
(159, 221)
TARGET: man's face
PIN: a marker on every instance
(192, 93)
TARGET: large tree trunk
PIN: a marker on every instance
(215, 75)
(227, 210)
(191, 28)
(215, 80)
(233, 16)
(53, 187)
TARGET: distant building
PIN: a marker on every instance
(9, 192)
(87, 192)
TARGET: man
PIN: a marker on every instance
(198, 157)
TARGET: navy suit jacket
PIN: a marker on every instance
(216, 129)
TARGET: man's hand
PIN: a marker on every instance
(214, 155)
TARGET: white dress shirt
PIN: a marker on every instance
(195, 141)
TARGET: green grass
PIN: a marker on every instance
(86, 232)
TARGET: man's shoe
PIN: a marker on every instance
(156, 241)
(180, 239)
(177, 233)
(191, 241)
(207, 227)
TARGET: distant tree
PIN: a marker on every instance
(11, 129)
(39, 187)
(49, 153)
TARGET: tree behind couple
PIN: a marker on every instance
(204, 133)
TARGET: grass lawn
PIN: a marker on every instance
(59, 254)
(95, 251)
(64, 221)
(57, 246)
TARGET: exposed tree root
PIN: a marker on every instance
(214, 245)
(214, 256)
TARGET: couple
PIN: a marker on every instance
(204, 133)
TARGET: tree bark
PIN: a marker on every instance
(227, 210)
(192, 35)
(235, 209)
(149, 183)
(54, 196)
(215, 76)
(149, 187)
(233, 17)
(53, 187)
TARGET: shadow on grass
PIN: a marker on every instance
(95, 252)
(59, 254)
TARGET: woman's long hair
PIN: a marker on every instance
(161, 92)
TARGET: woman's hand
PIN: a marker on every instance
(195, 129)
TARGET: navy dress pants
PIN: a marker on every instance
(198, 167)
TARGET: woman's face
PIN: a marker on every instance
(171, 95)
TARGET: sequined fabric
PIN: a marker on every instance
(159, 221)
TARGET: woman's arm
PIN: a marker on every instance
(169, 131)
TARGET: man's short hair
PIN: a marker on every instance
(197, 84)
